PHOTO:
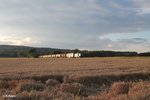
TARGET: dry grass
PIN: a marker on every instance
(77, 66)
(140, 90)
(29, 87)
(119, 88)
(51, 82)
(123, 91)
(74, 88)
(108, 78)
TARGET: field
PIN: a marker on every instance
(115, 78)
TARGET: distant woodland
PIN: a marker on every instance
(23, 51)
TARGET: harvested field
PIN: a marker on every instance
(78, 66)
(91, 78)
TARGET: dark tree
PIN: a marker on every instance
(32, 53)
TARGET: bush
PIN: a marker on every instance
(140, 91)
(51, 82)
(4, 84)
(119, 88)
(29, 87)
(75, 89)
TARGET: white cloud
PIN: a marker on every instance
(13, 40)
(72, 23)
(142, 6)
(143, 11)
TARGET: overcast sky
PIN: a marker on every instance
(84, 24)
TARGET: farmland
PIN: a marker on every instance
(76, 78)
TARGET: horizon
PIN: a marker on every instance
(116, 25)
(73, 48)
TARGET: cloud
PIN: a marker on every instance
(143, 7)
(74, 23)
(83, 17)
(130, 44)
(142, 3)
(133, 40)
(17, 40)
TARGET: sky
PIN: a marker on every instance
(122, 25)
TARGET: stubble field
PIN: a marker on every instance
(77, 78)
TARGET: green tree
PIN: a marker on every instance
(32, 53)
(76, 50)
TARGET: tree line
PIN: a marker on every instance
(23, 53)
(84, 53)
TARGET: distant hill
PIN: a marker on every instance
(14, 48)
(26, 51)
(15, 51)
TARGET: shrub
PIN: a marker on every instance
(140, 91)
(4, 84)
(74, 88)
(29, 87)
(119, 88)
(51, 82)
(13, 84)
